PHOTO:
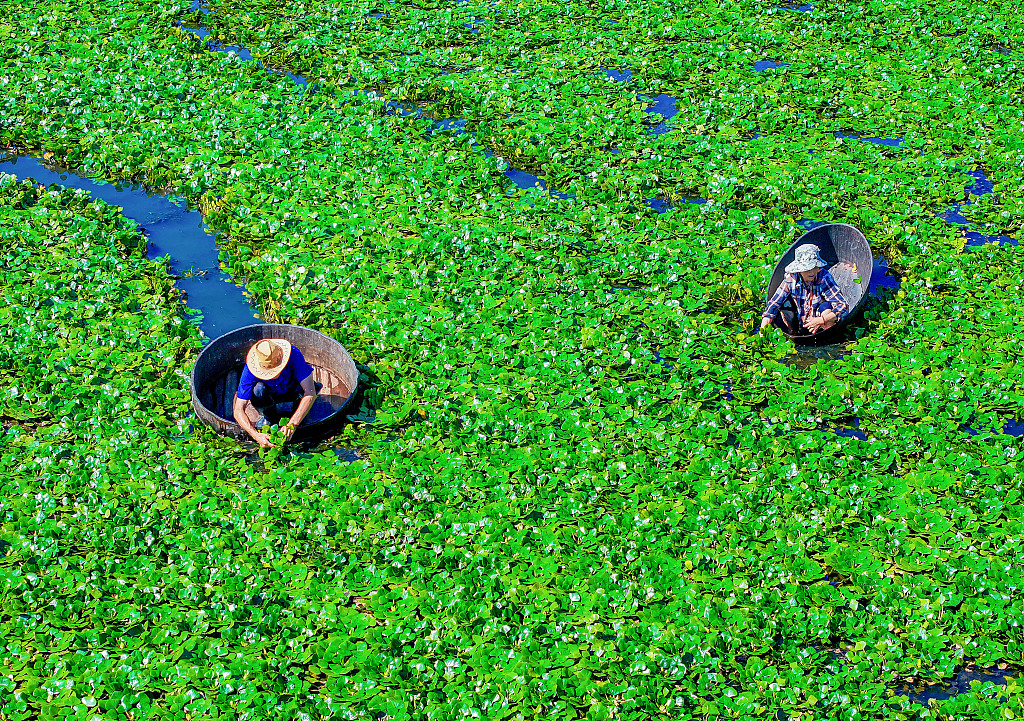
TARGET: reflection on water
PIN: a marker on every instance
(850, 429)
(954, 215)
(975, 239)
(981, 185)
(881, 277)
(456, 124)
(808, 224)
(620, 76)
(660, 206)
(804, 356)
(1012, 427)
(890, 142)
(762, 65)
(664, 105)
(345, 454)
(242, 52)
(960, 684)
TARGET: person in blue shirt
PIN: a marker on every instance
(275, 375)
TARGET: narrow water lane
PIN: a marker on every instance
(172, 231)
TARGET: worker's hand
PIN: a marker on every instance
(765, 322)
(287, 430)
(263, 439)
(815, 324)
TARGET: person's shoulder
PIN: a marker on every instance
(298, 363)
(246, 382)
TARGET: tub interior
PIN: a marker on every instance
(218, 395)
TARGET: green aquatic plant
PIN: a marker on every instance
(587, 488)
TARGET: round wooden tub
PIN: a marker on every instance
(850, 262)
(218, 368)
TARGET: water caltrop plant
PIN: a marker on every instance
(589, 489)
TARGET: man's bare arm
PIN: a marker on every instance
(238, 409)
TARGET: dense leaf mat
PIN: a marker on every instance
(589, 490)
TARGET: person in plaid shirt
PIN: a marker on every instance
(808, 301)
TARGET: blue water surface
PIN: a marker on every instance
(762, 65)
(890, 142)
(954, 215)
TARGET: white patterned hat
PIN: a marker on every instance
(807, 257)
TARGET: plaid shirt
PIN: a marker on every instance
(808, 297)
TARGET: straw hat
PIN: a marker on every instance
(807, 257)
(268, 357)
